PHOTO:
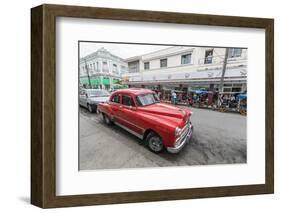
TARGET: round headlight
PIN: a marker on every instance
(177, 131)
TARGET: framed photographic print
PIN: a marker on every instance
(137, 106)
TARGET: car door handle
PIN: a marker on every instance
(120, 106)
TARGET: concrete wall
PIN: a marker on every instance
(236, 68)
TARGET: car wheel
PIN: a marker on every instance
(154, 142)
(106, 119)
(90, 109)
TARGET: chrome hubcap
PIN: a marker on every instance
(155, 144)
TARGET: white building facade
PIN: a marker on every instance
(101, 69)
(185, 68)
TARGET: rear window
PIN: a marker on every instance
(115, 99)
(98, 93)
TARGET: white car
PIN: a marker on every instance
(90, 98)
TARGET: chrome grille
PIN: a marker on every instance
(183, 134)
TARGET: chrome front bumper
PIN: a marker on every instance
(182, 139)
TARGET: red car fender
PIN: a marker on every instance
(160, 126)
(105, 108)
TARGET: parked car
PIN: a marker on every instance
(90, 98)
(140, 112)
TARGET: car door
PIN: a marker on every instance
(83, 98)
(115, 106)
(128, 115)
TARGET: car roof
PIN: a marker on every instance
(134, 91)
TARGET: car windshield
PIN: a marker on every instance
(147, 99)
(98, 93)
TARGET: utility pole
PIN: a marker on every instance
(87, 70)
(222, 76)
(223, 69)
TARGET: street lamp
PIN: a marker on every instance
(223, 69)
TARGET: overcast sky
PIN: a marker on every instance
(122, 50)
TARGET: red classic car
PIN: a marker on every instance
(140, 112)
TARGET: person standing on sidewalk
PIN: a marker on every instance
(174, 97)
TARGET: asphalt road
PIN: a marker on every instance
(219, 138)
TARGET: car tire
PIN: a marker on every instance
(106, 119)
(90, 108)
(154, 142)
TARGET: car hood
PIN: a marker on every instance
(99, 99)
(166, 110)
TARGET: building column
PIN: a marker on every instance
(101, 80)
(110, 83)
(100, 65)
(110, 66)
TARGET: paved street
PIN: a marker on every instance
(219, 138)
